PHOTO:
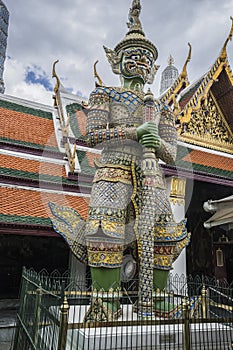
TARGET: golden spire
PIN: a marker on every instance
(170, 60)
(184, 70)
(54, 75)
(223, 54)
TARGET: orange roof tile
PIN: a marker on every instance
(20, 202)
(26, 127)
(82, 122)
(33, 166)
(91, 157)
(208, 159)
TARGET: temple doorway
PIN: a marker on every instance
(35, 252)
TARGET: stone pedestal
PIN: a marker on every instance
(128, 336)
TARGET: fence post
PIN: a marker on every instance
(64, 317)
(37, 314)
(204, 301)
(186, 324)
(21, 310)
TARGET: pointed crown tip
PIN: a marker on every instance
(135, 36)
(134, 23)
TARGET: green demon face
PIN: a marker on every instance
(136, 63)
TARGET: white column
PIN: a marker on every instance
(178, 210)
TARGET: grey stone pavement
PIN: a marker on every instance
(5, 345)
(8, 310)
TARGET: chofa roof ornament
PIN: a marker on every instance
(223, 54)
(135, 37)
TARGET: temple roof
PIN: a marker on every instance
(29, 206)
(206, 112)
(201, 162)
(188, 92)
(218, 80)
(223, 93)
(77, 120)
(34, 170)
(204, 109)
(22, 167)
(22, 125)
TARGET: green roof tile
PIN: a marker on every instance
(29, 144)
(204, 169)
(86, 168)
(71, 110)
(28, 110)
(15, 219)
(35, 176)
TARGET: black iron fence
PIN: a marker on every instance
(55, 314)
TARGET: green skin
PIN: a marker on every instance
(147, 134)
(104, 279)
(160, 279)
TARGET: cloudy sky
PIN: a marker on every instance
(74, 32)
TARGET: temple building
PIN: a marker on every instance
(44, 159)
(203, 112)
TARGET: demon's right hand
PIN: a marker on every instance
(148, 136)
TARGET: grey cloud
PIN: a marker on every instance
(74, 31)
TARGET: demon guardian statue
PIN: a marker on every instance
(129, 205)
(129, 194)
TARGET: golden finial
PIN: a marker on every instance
(184, 70)
(96, 75)
(223, 54)
(170, 60)
(54, 75)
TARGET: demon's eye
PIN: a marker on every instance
(135, 57)
(149, 61)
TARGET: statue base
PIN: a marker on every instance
(165, 310)
(103, 311)
(159, 307)
(130, 333)
(145, 311)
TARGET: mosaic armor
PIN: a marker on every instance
(115, 207)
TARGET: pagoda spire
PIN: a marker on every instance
(169, 75)
(170, 60)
